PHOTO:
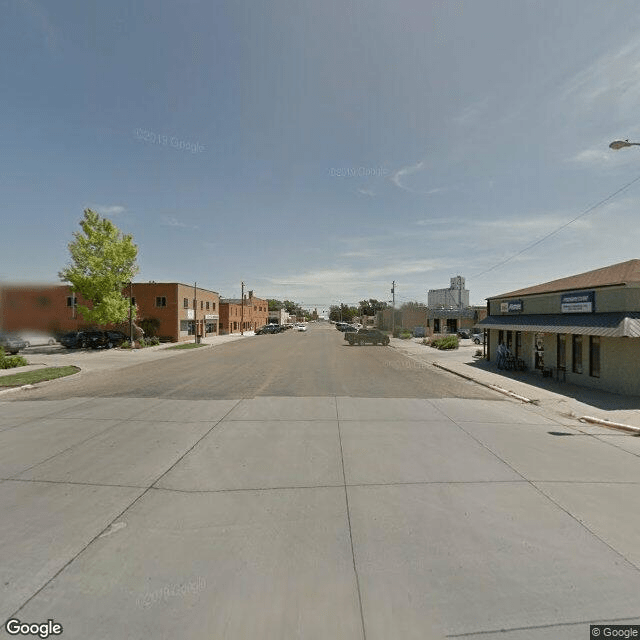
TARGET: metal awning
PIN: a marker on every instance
(613, 325)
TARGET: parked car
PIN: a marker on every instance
(11, 343)
(419, 332)
(345, 326)
(95, 339)
(366, 336)
(300, 326)
(115, 338)
(73, 340)
(38, 339)
(464, 333)
(269, 328)
(478, 338)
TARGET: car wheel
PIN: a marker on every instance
(109, 345)
(27, 344)
(51, 342)
(13, 353)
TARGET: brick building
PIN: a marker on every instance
(234, 320)
(179, 310)
(46, 308)
(168, 306)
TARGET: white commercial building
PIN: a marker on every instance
(455, 297)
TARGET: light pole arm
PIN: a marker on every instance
(621, 144)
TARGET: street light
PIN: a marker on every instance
(620, 144)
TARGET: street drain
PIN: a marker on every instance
(560, 433)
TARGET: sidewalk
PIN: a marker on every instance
(100, 359)
(560, 399)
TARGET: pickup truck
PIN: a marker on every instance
(364, 336)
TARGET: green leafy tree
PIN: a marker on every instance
(275, 305)
(103, 261)
(371, 306)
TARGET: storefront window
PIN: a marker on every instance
(539, 346)
(594, 356)
(562, 352)
(577, 354)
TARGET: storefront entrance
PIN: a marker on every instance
(538, 345)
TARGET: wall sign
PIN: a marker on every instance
(513, 306)
(578, 302)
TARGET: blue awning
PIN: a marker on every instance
(613, 324)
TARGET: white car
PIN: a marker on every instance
(37, 338)
(300, 327)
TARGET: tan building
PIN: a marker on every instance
(235, 319)
(175, 311)
(584, 329)
(434, 321)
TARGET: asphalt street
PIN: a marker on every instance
(291, 486)
(318, 362)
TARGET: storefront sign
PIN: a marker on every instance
(513, 306)
(578, 302)
(190, 314)
(209, 316)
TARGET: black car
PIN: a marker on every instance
(92, 339)
(95, 339)
(269, 328)
(463, 333)
(12, 343)
(73, 340)
(115, 338)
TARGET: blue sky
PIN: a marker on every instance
(320, 150)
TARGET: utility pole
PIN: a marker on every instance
(242, 311)
(393, 308)
(195, 312)
(131, 314)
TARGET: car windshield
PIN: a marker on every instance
(442, 196)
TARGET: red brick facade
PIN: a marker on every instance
(256, 314)
(49, 308)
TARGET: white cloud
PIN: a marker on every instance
(170, 221)
(367, 192)
(113, 210)
(51, 34)
(611, 83)
(471, 114)
(397, 176)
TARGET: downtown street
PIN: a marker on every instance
(292, 486)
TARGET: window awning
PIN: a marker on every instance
(613, 325)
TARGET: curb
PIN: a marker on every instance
(589, 419)
(26, 387)
(611, 425)
(493, 387)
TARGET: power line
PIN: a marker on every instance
(566, 224)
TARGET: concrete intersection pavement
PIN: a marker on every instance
(314, 517)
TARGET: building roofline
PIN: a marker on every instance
(622, 273)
